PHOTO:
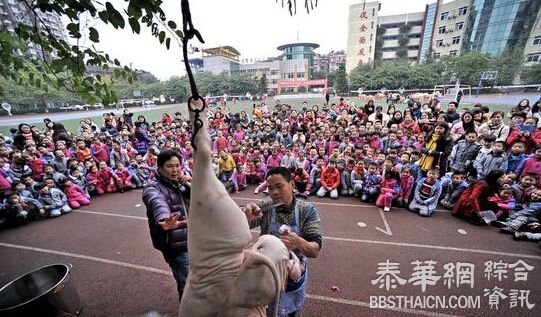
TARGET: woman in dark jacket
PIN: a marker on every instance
(143, 122)
(369, 107)
(167, 214)
(395, 119)
(475, 198)
(141, 141)
(24, 133)
(60, 134)
(437, 148)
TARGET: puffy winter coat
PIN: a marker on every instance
(162, 198)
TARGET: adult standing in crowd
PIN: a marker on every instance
(60, 134)
(141, 141)
(305, 238)
(451, 113)
(495, 127)
(460, 129)
(437, 148)
(528, 133)
(24, 133)
(536, 112)
(167, 214)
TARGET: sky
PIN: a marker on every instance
(254, 27)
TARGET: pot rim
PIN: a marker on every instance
(68, 269)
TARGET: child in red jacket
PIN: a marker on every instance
(93, 180)
(330, 179)
(124, 179)
(108, 179)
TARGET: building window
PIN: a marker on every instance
(453, 53)
(459, 26)
(439, 43)
(437, 55)
(441, 29)
(300, 75)
(462, 11)
(373, 11)
(537, 40)
(456, 39)
(535, 57)
(444, 16)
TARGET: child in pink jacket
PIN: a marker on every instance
(75, 194)
(505, 200)
(108, 179)
(124, 180)
(390, 188)
(406, 186)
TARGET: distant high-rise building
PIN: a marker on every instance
(532, 51)
(497, 25)
(362, 27)
(449, 25)
(330, 62)
(444, 28)
(13, 12)
(400, 35)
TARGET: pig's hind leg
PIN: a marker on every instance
(216, 223)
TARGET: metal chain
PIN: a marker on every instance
(189, 33)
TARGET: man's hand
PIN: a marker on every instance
(252, 211)
(291, 240)
(172, 222)
(183, 179)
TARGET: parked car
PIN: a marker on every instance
(98, 105)
(148, 103)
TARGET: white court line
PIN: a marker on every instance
(87, 257)
(315, 203)
(435, 247)
(400, 244)
(365, 304)
(108, 214)
(165, 272)
(387, 230)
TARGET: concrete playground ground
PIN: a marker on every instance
(369, 258)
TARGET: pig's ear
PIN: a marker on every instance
(258, 283)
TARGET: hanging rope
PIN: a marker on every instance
(189, 33)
